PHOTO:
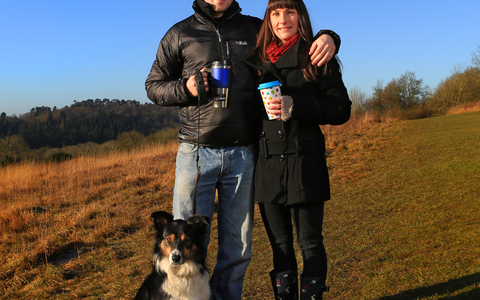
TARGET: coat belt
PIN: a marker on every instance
(289, 146)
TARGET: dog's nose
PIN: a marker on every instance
(176, 258)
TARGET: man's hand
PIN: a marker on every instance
(322, 50)
(192, 85)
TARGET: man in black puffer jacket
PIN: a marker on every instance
(226, 136)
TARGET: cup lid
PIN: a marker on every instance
(269, 84)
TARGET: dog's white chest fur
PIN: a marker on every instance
(184, 282)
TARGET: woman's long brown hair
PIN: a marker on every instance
(267, 36)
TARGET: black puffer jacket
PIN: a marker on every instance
(195, 43)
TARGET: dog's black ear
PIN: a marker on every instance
(198, 221)
(160, 219)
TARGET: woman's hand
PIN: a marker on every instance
(322, 50)
(274, 107)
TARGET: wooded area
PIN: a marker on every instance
(90, 120)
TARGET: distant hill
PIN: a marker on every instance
(90, 120)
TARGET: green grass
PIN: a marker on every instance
(403, 222)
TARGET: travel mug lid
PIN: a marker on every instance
(222, 64)
(269, 84)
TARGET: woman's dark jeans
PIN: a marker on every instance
(308, 221)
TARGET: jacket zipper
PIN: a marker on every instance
(220, 46)
(219, 43)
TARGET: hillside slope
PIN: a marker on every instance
(401, 224)
(404, 217)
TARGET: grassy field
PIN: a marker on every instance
(403, 222)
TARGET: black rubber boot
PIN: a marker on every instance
(285, 285)
(312, 288)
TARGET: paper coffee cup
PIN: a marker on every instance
(269, 91)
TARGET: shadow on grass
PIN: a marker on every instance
(443, 288)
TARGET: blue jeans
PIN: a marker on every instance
(228, 170)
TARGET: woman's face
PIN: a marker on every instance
(284, 22)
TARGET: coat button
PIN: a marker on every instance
(282, 157)
(281, 134)
(262, 134)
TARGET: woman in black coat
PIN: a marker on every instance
(291, 179)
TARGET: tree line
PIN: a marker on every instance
(85, 121)
(408, 98)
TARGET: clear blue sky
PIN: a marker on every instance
(53, 52)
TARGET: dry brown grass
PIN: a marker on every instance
(81, 228)
(51, 213)
(349, 135)
(467, 107)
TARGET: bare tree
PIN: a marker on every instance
(401, 93)
(411, 90)
(358, 99)
(476, 58)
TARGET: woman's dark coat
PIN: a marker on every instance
(291, 167)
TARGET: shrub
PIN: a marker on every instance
(164, 136)
(13, 146)
(6, 160)
(59, 157)
(129, 140)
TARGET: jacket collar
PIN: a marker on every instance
(288, 60)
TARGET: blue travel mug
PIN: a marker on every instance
(221, 72)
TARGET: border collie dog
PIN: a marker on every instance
(179, 271)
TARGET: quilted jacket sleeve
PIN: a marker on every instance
(165, 85)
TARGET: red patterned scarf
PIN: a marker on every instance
(274, 51)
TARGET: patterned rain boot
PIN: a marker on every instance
(312, 288)
(285, 285)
